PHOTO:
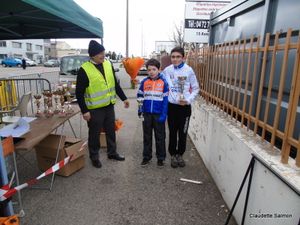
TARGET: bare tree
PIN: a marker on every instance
(177, 36)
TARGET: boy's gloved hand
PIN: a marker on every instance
(162, 118)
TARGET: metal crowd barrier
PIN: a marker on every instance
(11, 90)
(52, 77)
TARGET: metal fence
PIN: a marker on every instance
(256, 82)
(12, 90)
(52, 77)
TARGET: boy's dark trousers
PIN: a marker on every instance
(151, 123)
(178, 122)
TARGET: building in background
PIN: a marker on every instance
(32, 49)
(47, 49)
(62, 48)
(164, 46)
(84, 51)
(53, 51)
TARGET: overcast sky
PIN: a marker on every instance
(149, 20)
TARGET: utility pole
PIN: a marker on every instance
(142, 38)
(127, 26)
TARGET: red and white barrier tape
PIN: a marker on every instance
(6, 192)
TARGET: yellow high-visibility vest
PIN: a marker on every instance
(101, 91)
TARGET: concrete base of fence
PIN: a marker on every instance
(226, 150)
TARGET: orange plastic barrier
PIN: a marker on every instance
(11, 220)
(118, 125)
(8, 146)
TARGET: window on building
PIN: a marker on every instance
(47, 50)
(39, 47)
(2, 43)
(19, 56)
(29, 46)
(16, 44)
(3, 56)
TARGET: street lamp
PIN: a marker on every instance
(142, 38)
(127, 25)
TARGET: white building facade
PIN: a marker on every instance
(164, 46)
(32, 49)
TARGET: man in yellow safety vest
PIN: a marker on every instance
(96, 90)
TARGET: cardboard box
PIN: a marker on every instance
(46, 152)
(103, 142)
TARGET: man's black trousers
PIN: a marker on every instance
(150, 123)
(178, 122)
(102, 118)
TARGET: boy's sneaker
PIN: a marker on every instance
(160, 162)
(145, 162)
(174, 162)
(180, 161)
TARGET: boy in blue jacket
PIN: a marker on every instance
(154, 90)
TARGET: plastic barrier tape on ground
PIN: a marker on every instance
(6, 192)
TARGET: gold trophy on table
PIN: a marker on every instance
(37, 101)
(48, 103)
(56, 98)
(69, 109)
(181, 83)
(61, 94)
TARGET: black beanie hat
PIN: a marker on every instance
(95, 48)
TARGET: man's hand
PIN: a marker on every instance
(87, 116)
(183, 102)
(126, 103)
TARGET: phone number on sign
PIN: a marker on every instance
(196, 24)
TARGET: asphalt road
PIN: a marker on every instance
(8, 72)
(124, 193)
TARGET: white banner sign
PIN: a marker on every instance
(197, 15)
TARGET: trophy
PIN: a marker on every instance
(56, 98)
(37, 98)
(45, 103)
(140, 101)
(61, 94)
(48, 103)
(181, 82)
(69, 109)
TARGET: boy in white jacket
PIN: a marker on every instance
(183, 88)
